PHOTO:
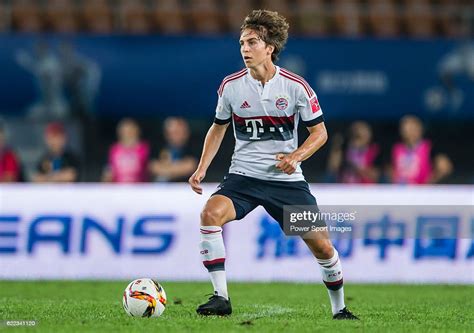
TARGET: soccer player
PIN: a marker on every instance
(265, 103)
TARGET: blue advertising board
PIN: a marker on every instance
(354, 78)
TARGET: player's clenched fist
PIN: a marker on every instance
(287, 163)
(195, 180)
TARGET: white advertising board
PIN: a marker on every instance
(124, 231)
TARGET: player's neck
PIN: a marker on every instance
(264, 72)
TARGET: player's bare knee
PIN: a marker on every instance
(322, 249)
(327, 250)
(210, 217)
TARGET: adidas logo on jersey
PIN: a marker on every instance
(245, 105)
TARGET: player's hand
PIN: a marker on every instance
(287, 163)
(195, 180)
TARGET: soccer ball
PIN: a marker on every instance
(144, 298)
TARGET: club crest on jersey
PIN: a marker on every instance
(281, 103)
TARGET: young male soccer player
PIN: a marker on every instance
(264, 102)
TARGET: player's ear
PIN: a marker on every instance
(270, 49)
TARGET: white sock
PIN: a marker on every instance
(213, 257)
(219, 283)
(331, 270)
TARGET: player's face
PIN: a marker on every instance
(253, 49)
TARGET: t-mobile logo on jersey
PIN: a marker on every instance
(264, 128)
(254, 128)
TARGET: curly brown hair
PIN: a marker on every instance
(270, 26)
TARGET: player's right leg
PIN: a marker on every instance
(218, 210)
(233, 200)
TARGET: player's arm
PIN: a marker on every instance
(317, 138)
(213, 141)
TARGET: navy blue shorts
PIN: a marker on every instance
(247, 193)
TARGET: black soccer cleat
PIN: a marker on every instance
(344, 314)
(216, 306)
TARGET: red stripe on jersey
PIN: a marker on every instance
(298, 79)
(267, 120)
(229, 78)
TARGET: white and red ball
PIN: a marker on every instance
(144, 298)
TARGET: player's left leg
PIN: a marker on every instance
(328, 259)
(298, 194)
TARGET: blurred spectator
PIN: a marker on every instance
(359, 160)
(57, 164)
(46, 69)
(175, 162)
(412, 158)
(128, 158)
(81, 79)
(9, 165)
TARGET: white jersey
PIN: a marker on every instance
(265, 120)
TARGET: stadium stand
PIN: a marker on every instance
(167, 16)
(380, 18)
(60, 16)
(205, 16)
(134, 17)
(25, 16)
(97, 16)
(235, 11)
(312, 17)
(383, 18)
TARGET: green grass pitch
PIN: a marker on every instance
(96, 306)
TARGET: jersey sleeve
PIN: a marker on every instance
(309, 108)
(223, 109)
